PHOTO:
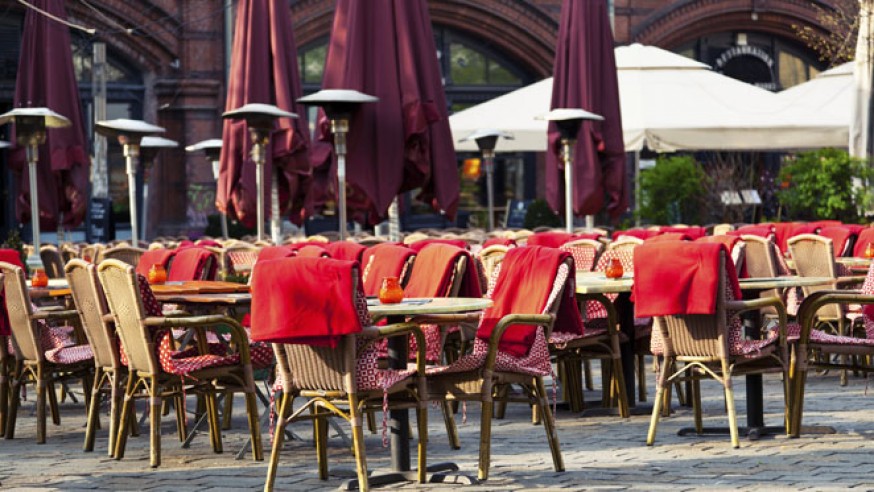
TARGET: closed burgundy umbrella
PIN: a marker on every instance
(46, 79)
(264, 70)
(585, 78)
(385, 48)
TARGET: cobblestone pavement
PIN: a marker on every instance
(600, 453)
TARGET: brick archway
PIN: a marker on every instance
(684, 21)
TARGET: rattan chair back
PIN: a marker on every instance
(91, 304)
(814, 257)
(25, 333)
(52, 261)
(127, 254)
(119, 282)
(585, 253)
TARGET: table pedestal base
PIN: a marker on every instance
(437, 473)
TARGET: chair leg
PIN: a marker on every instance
(358, 444)
(549, 424)
(228, 411)
(53, 401)
(797, 406)
(320, 436)
(94, 414)
(125, 420)
(696, 406)
(181, 418)
(659, 400)
(641, 378)
(114, 407)
(485, 439)
(587, 368)
(732, 415)
(501, 406)
(618, 380)
(215, 424)
(154, 423)
(449, 421)
(41, 390)
(422, 422)
(283, 411)
(254, 425)
(15, 400)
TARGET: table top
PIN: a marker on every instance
(198, 287)
(218, 298)
(436, 305)
(598, 283)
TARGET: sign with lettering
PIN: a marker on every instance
(516, 211)
(101, 227)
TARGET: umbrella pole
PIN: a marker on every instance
(32, 154)
(394, 221)
(489, 159)
(145, 207)
(567, 153)
(275, 224)
(340, 127)
(131, 155)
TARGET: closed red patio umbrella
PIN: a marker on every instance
(264, 70)
(585, 77)
(46, 79)
(385, 48)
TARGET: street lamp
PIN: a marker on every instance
(149, 148)
(129, 133)
(30, 132)
(213, 150)
(260, 119)
(486, 140)
(568, 122)
(339, 105)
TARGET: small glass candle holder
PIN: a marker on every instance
(39, 279)
(391, 291)
(157, 274)
(614, 270)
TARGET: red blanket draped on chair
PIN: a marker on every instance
(499, 241)
(154, 257)
(840, 237)
(678, 278)
(189, 263)
(638, 233)
(304, 300)
(419, 245)
(523, 287)
(433, 273)
(694, 232)
(669, 236)
(865, 237)
(383, 260)
(346, 250)
(275, 252)
(313, 251)
(556, 239)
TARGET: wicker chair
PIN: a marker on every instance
(489, 259)
(127, 254)
(485, 373)
(706, 345)
(820, 350)
(193, 264)
(52, 261)
(44, 355)
(93, 253)
(68, 252)
(143, 330)
(585, 253)
(331, 379)
(376, 257)
(96, 321)
(241, 257)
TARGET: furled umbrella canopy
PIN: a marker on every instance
(264, 70)
(46, 79)
(585, 78)
(386, 48)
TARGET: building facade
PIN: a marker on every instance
(168, 59)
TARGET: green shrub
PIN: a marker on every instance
(539, 214)
(673, 191)
(820, 185)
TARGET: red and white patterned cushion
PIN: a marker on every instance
(584, 256)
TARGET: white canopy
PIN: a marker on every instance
(669, 102)
(830, 96)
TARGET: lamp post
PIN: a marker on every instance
(30, 133)
(486, 140)
(260, 119)
(213, 149)
(149, 148)
(130, 134)
(568, 122)
(339, 105)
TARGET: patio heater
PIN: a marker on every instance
(30, 133)
(149, 148)
(130, 134)
(339, 106)
(261, 118)
(486, 140)
(213, 149)
(568, 121)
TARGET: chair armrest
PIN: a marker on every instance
(739, 307)
(816, 300)
(54, 314)
(508, 321)
(843, 282)
(612, 316)
(237, 332)
(398, 329)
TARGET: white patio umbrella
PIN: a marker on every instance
(860, 141)
(830, 94)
